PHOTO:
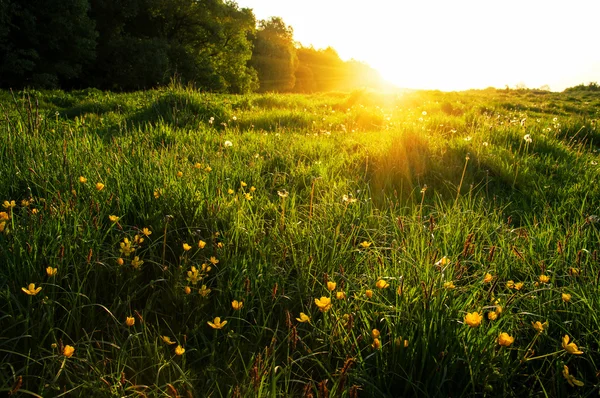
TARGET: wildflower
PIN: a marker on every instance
(120, 261)
(544, 278)
(99, 186)
(25, 202)
(252, 188)
(136, 262)
(324, 304)
(68, 351)
(518, 285)
(82, 179)
(186, 247)
(498, 309)
(340, 295)
(375, 333)
(381, 284)
(487, 278)
(303, 318)
(473, 319)
(216, 323)
(4, 216)
(179, 174)
(331, 286)
(248, 196)
(157, 194)
(51, 271)
(230, 191)
(167, 340)
(179, 350)
(187, 290)
(9, 205)
(201, 244)
(492, 315)
(213, 260)
(574, 271)
(220, 245)
(227, 144)
(510, 284)
(527, 138)
(424, 113)
(369, 294)
(198, 165)
(538, 326)
(443, 261)
(31, 289)
(130, 321)
(405, 343)
(485, 143)
(571, 348)
(284, 194)
(504, 339)
(126, 248)
(208, 169)
(365, 244)
(566, 297)
(34, 211)
(2, 226)
(376, 344)
(204, 291)
(113, 218)
(570, 378)
(146, 232)
(449, 285)
(237, 305)
(243, 184)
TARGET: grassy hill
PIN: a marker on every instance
(436, 243)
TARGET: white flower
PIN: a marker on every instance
(424, 113)
(484, 143)
(234, 118)
(527, 138)
(228, 143)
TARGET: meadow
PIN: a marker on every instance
(175, 243)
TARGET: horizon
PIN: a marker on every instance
(464, 45)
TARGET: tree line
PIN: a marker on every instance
(138, 44)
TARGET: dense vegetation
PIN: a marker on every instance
(137, 44)
(455, 234)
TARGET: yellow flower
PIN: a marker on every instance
(9, 205)
(340, 295)
(130, 321)
(252, 189)
(25, 203)
(230, 191)
(31, 289)
(179, 350)
(443, 261)
(518, 285)
(68, 351)
(570, 347)
(303, 318)
(204, 291)
(113, 218)
(248, 196)
(574, 271)
(3, 225)
(167, 340)
(324, 304)
(473, 319)
(82, 179)
(156, 194)
(208, 169)
(186, 247)
(51, 271)
(136, 262)
(213, 261)
(369, 294)
(381, 284)
(243, 184)
(449, 285)
(146, 231)
(492, 316)
(187, 290)
(34, 211)
(179, 174)
(510, 284)
(4, 216)
(220, 245)
(237, 305)
(570, 378)
(120, 261)
(216, 323)
(376, 344)
(364, 244)
(405, 343)
(99, 186)
(499, 309)
(375, 333)
(539, 326)
(331, 286)
(201, 244)
(487, 278)
(198, 165)
(566, 297)
(544, 278)
(504, 339)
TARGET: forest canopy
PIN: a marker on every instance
(125, 45)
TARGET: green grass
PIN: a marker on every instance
(442, 187)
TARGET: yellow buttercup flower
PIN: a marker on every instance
(340, 295)
(571, 348)
(252, 189)
(504, 339)
(99, 186)
(130, 321)
(237, 305)
(187, 290)
(331, 286)
(136, 262)
(570, 378)
(303, 318)
(566, 297)
(492, 316)
(204, 291)
(213, 260)
(9, 205)
(198, 165)
(449, 285)
(375, 333)
(179, 350)
(179, 174)
(539, 326)
(82, 179)
(31, 289)
(51, 271)
(518, 285)
(499, 309)
(248, 196)
(216, 323)
(186, 247)
(376, 344)
(243, 184)
(365, 244)
(487, 278)
(381, 284)
(120, 261)
(473, 319)
(510, 284)
(167, 340)
(544, 278)
(369, 294)
(113, 218)
(324, 304)
(443, 261)
(201, 244)
(68, 351)
(4, 216)
(146, 232)
(230, 191)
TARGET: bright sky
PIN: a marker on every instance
(453, 44)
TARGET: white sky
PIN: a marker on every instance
(453, 44)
